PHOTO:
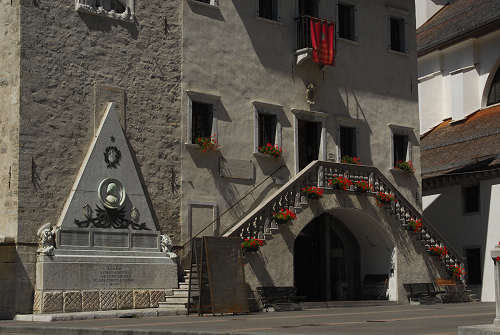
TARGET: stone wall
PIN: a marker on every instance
(9, 115)
(71, 64)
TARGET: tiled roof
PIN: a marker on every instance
(457, 20)
(473, 143)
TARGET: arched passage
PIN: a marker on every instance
(342, 257)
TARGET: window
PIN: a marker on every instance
(116, 9)
(267, 129)
(471, 199)
(400, 148)
(473, 257)
(494, 94)
(347, 21)
(201, 120)
(397, 34)
(348, 142)
(268, 9)
(267, 125)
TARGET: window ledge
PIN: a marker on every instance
(261, 155)
(396, 170)
(395, 52)
(207, 5)
(348, 41)
(263, 19)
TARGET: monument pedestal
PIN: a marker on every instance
(494, 328)
(93, 280)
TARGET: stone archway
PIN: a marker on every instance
(343, 255)
(327, 261)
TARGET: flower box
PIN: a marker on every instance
(438, 251)
(251, 244)
(207, 143)
(312, 192)
(271, 150)
(284, 215)
(456, 271)
(340, 183)
(415, 225)
(362, 186)
(405, 166)
(350, 160)
(384, 198)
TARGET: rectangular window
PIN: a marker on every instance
(201, 120)
(347, 22)
(400, 148)
(267, 129)
(397, 31)
(473, 257)
(348, 142)
(205, 1)
(471, 199)
(268, 9)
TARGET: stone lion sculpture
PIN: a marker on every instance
(166, 245)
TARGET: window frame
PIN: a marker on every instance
(403, 15)
(204, 98)
(272, 19)
(464, 208)
(347, 123)
(356, 141)
(83, 6)
(355, 7)
(260, 107)
(404, 131)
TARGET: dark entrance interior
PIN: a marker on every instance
(308, 7)
(309, 139)
(327, 261)
(473, 266)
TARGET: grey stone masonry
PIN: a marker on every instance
(71, 63)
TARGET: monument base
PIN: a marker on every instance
(479, 330)
(93, 280)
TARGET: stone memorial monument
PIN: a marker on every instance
(105, 251)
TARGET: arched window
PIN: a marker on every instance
(494, 94)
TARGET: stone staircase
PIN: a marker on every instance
(260, 224)
(179, 298)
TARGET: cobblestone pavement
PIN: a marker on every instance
(442, 319)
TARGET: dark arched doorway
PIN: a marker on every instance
(327, 261)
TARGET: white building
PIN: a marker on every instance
(459, 95)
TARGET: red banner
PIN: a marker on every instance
(323, 37)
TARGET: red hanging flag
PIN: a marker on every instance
(322, 37)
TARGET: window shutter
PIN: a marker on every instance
(214, 121)
(405, 35)
(339, 159)
(356, 139)
(388, 32)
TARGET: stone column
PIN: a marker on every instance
(495, 254)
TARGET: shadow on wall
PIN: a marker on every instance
(271, 41)
(97, 23)
(212, 12)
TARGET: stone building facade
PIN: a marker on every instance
(180, 68)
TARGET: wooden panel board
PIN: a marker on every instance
(228, 289)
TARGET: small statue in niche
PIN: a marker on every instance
(166, 245)
(47, 241)
(311, 94)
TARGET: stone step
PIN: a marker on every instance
(175, 299)
(172, 305)
(185, 286)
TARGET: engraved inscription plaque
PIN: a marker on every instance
(74, 238)
(144, 241)
(113, 240)
(113, 275)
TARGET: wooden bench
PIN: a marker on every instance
(449, 291)
(282, 298)
(425, 293)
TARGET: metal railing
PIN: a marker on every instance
(304, 31)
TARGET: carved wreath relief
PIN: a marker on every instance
(112, 156)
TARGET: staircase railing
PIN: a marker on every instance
(260, 223)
